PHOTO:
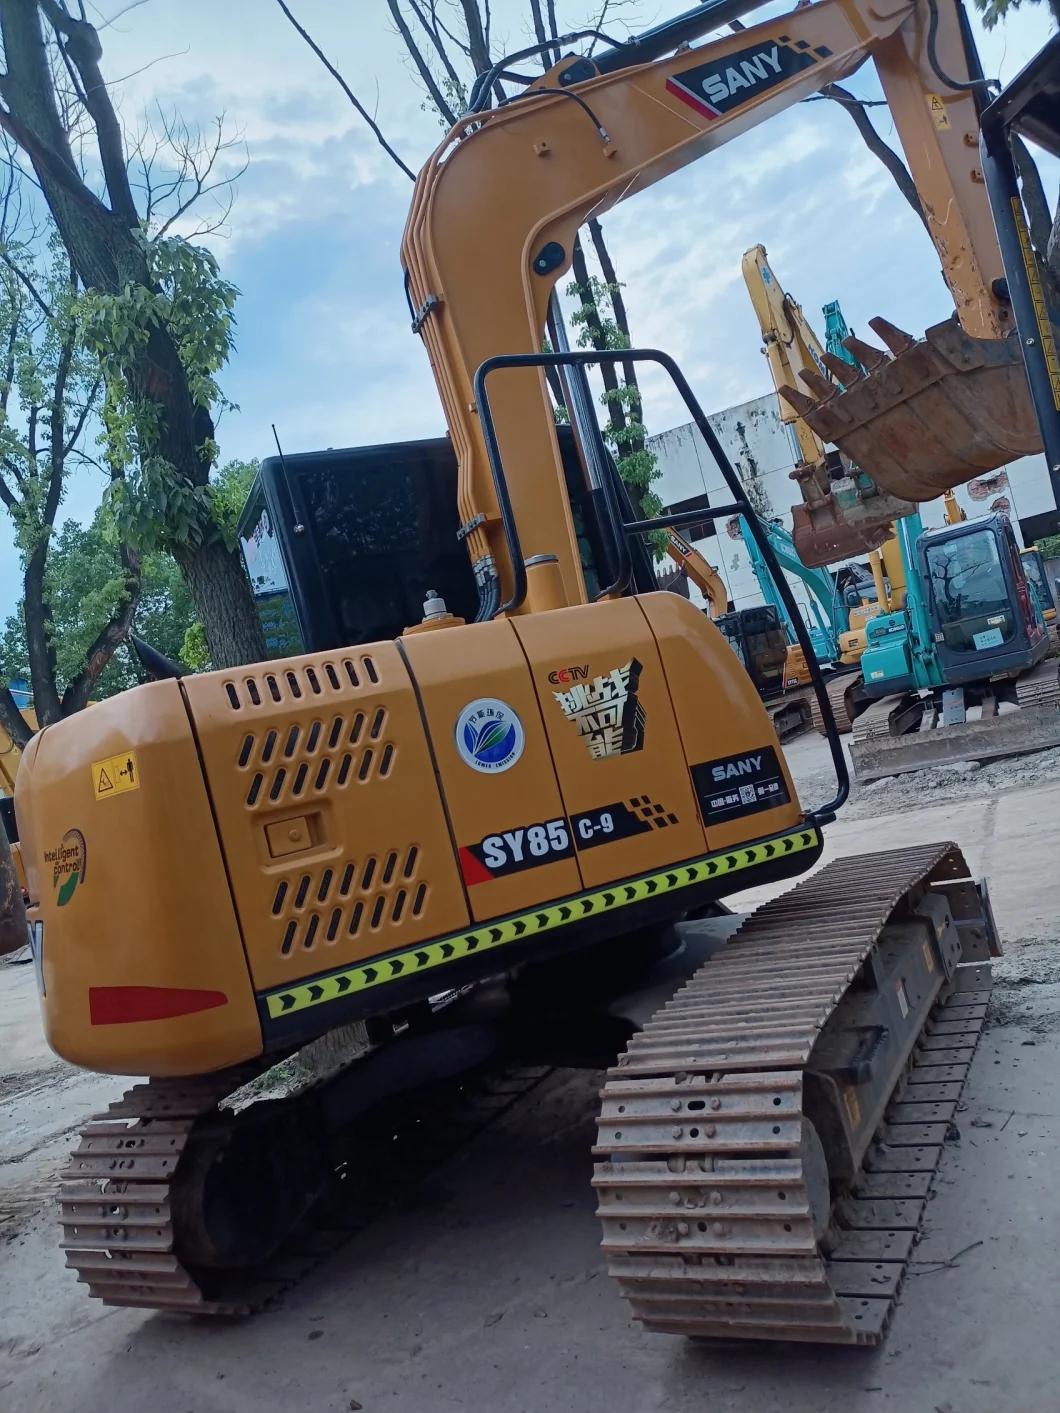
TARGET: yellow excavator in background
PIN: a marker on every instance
(347, 845)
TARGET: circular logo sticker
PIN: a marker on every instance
(489, 735)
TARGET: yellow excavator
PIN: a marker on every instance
(346, 846)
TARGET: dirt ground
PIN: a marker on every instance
(487, 1290)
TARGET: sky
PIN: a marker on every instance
(324, 348)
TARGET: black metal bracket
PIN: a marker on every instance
(740, 505)
(420, 317)
(472, 524)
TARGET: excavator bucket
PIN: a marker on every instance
(934, 414)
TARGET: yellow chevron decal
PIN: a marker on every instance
(488, 935)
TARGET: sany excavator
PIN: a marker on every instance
(347, 845)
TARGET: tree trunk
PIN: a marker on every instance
(618, 304)
(12, 909)
(39, 639)
(224, 602)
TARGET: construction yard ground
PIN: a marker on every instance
(486, 1291)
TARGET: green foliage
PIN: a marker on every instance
(36, 347)
(627, 434)
(86, 584)
(156, 506)
(994, 11)
(1049, 546)
(230, 489)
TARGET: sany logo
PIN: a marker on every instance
(564, 675)
(746, 74)
(715, 88)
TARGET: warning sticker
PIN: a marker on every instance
(937, 108)
(116, 775)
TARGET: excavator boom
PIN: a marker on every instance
(592, 132)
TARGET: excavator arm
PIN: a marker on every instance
(705, 577)
(497, 207)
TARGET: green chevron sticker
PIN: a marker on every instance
(498, 933)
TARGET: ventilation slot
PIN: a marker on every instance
(313, 739)
(399, 905)
(299, 779)
(369, 667)
(303, 889)
(344, 769)
(247, 751)
(255, 790)
(311, 932)
(332, 675)
(355, 919)
(277, 784)
(386, 760)
(277, 902)
(351, 672)
(288, 938)
(347, 880)
(233, 696)
(333, 925)
(367, 875)
(269, 747)
(419, 900)
(291, 744)
(325, 884)
(313, 680)
(252, 691)
(273, 686)
(335, 733)
(322, 773)
(377, 724)
(292, 682)
(356, 728)
(377, 911)
(410, 862)
(365, 768)
(389, 867)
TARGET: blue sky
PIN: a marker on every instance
(324, 348)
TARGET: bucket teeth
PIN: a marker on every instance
(869, 357)
(817, 384)
(896, 339)
(799, 400)
(845, 373)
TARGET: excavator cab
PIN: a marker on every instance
(1038, 579)
(344, 546)
(985, 620)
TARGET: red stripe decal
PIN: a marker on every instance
(686, 96)
(473, 869)
(119, 1005)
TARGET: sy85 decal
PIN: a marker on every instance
(512, 850)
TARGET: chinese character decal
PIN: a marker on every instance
(606, 711)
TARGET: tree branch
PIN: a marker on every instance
(422, 67)
(14, 723)
(876, 145)
(78, 39)
(107, 640)
(433, 33)
(358, 105)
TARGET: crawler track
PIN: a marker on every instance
(706, 1185)
(119, 1196)
(1040, 687)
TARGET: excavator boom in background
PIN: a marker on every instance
(397, 857)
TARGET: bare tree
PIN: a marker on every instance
(447, 54)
